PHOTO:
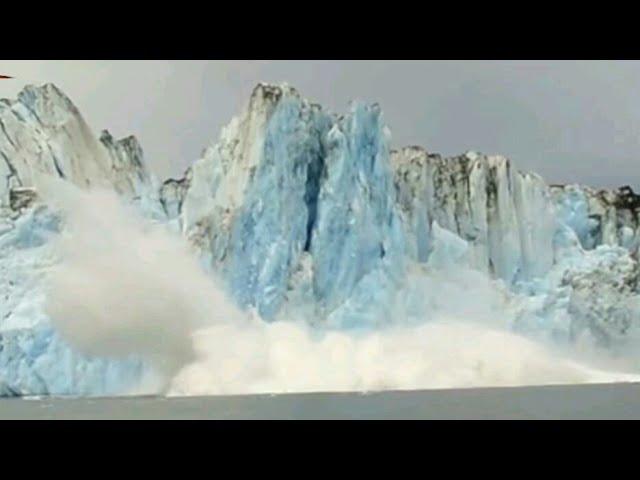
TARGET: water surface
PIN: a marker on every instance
(606, 401)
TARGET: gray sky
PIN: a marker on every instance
(567, 120)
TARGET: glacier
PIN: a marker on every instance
(305, 214)
(43, 133)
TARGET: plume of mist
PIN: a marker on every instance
(127, 287)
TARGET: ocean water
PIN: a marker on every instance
(576, 402)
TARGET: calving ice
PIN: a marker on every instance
(300, 253)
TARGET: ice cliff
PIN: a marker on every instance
(290, 185)
(43, 134)
(296, 203)
(308, 214)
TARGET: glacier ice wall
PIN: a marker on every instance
(507, 216)
(288, 181)
(371, 212)
(42, 134)
(600, 217)
(308, 214)
(290, 187)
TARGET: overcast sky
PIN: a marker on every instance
(567, 120)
